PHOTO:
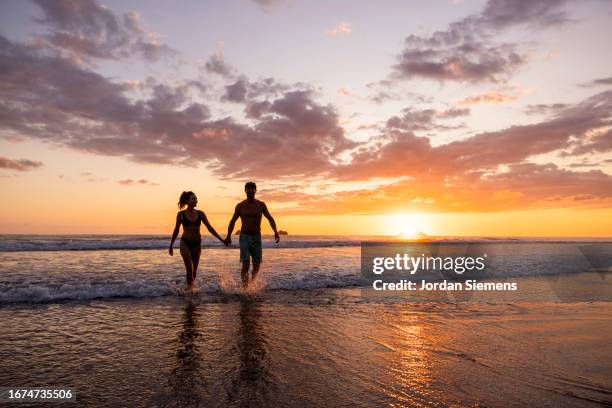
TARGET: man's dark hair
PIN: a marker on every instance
(250, 184)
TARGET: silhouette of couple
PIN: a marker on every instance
(249, 211)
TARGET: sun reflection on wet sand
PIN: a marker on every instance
(409, 369)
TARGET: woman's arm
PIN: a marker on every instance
(210, 227)
(175, 232)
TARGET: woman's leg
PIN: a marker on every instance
(186, 254)
(195, 257)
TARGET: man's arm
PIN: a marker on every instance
(267, 214)
(230, 228)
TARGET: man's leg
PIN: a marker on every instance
(256, 265)
(255, 249)
(244, 273)
(245, 257)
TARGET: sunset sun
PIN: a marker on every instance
(408, 226)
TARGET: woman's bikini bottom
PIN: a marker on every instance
(192, 244)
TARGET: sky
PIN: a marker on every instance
(449, 117)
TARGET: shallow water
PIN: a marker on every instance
(109, 324)
(45, 276)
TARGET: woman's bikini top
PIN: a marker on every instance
(188, 223)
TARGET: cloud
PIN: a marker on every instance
(597, 140)
(401, 151)
(488, 171)
(217, 65)
(598, 82)
(466, 62)
(586, 163)
(342, 28)
(236, 92)
(415, 120)
(545, 109)
(466, 50)
(535, 13)
(454, 113)
(387, 90)
(552, 54)
(490, 97)
(520, 186)
(130, 182)
(19, 165)
(347, 93)
(268, 5)
(243, 90)
(47, 97)
(293, 135)
(87, 29)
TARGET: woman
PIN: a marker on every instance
(191, 240)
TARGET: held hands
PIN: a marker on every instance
(228, 241)
(224, 241)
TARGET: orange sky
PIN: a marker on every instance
(47, 204)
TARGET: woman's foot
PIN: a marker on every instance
(192, 288)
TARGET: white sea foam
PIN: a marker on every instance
(49, 276)
(11, 243)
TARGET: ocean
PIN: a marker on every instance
(102, 315)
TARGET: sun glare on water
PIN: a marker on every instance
(408, 226)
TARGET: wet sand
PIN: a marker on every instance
(320, 347)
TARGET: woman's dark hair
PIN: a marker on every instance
(184, 198)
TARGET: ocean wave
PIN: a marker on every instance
(42, 293)
(130, 242)
(17, 243)
(48, 293)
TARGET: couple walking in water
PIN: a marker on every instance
(249, 211)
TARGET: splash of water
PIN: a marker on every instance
(229, 280)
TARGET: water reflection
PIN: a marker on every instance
(240, 376)
(253, 385)
(409, 369)
(187, 379)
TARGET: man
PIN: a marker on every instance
(250, 212)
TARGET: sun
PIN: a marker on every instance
(408, 226)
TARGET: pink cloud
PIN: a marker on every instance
(19, 165)
(342, 28)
